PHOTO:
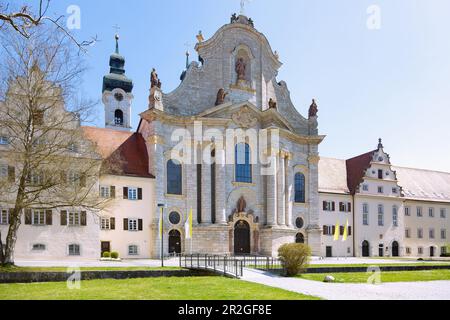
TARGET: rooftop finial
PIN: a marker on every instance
(117, 28)
(380, 143)
(243, 6)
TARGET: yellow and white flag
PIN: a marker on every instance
(337, 230)
(160, 227)
(188, 226)
(344, 238)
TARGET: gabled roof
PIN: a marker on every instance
(127, 151)
(356, 168)
(333, 176)
(421, 184)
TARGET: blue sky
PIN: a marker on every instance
(392, 83)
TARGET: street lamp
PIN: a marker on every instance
(161, 207)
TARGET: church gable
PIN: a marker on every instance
(237, 65)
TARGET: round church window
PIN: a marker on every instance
(174, 218)
(299, 223)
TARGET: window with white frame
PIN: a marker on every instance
(38, 217)
(132, 193)
(105, 223)
(431, 233)
(329, 206)
(443, 234)
(380, 215)
(431, 212)
(419, 211)
(74, 219)
(4, 140)
(365, 187)
(132, 224)
(38, 247)
(407, 233)
(4, 216)
(365, 214)
(74, 249)
(36, 178)
(443, 213)
(407, 211)
(420, 233)
(395, 216)
(105, 192)
(133, 250)
(394, 190)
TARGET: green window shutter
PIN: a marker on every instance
(48, 217)
(64, 218)
(83, 218)
(112, 223)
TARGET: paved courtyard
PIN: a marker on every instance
(432, 290)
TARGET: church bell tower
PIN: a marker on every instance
(117, 96)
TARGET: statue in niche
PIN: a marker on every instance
(272, 104)
(313, 109)
(241, 205)
(221, 95)
(241, 68)
(155, 82)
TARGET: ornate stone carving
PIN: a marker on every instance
(241, 205)
(221, 95)
(244, 118)
(154, 80)
(241, 68)
(313, 110)
(272, 104)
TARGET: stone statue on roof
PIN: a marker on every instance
(313, 109)
(240, 69)
(155, 82)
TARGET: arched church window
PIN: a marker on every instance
(299, 188)
(174, 177)
(242, 162)
(118, 117)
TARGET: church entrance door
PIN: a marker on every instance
(175, 242)
(241, 238)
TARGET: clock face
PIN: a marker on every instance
(118, 96)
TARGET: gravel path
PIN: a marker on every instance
(432, 290)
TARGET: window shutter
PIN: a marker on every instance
(333, 230)
(64, 218)
(325, 229)
(341, 230)
(83, 180)
(125, 224)
(140, 225)
(83, 218)
(333, 206)
(125, 192)
(341, 206)
(112, 223)
(349, 207)
(112, 192)
(28, 216)
(139, 193)
(48, 217)
(11, 174)
(349, 231)
(324, 206)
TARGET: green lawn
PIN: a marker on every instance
(362, 277)
(64, 269)
(193, 288)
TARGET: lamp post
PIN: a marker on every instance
(161, 207)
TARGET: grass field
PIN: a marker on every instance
(194, 288)
(64, 269)
(403, 276)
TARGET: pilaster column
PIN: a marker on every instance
(221, 216)
(206, 189)
(272, 194)
(281, 186)
(289, 174)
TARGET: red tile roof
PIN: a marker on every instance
(124, 152)
(356, 168)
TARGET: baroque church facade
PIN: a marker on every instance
(229, 146)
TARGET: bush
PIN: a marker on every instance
(106, 254)
(115, 255)
(294, 258)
